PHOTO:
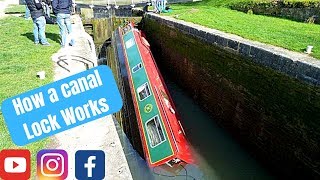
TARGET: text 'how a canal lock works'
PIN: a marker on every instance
(61, 105)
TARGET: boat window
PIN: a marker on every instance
(130, 43)
(144, 91)
(136, 68)
(126, 29)
(155, 131)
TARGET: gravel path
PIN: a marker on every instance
(3, 5)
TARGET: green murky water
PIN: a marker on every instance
(220, 157)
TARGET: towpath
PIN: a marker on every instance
(3, 5)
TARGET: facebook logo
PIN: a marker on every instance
(90, 164)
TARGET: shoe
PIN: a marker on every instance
(36, 43)
(71, 43)
(46, 44)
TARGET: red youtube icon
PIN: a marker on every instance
(15, 164)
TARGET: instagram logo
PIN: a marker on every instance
(52, 164)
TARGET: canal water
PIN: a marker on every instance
(219, 156)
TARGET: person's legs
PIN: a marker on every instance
(27, 14)
(42, 30)
(62, 27)
(69, 28)
(35, 31)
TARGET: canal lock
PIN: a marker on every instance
(101, 30)
(101, 26)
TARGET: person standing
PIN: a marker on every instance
(39, 22)
(62, 9)
(27, 15)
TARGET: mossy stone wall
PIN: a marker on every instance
(277, 117)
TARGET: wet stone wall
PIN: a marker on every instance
(126, 116)
(269, 105)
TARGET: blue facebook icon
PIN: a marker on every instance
(90, 164)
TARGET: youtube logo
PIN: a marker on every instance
(15, 164)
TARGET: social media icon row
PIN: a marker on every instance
(51, 164)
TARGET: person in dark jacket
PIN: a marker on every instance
(62, 9)
(39, 22)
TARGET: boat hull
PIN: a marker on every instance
(161, 133)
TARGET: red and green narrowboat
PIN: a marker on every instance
(162, 136)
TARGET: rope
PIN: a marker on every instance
(172, 176)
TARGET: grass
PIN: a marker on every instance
(20, 60)
(215, 14)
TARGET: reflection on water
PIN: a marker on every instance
(218, 155)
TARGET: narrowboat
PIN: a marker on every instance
(162, 136)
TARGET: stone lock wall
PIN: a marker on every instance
(267, 99)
